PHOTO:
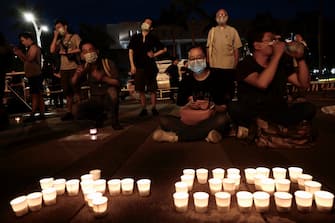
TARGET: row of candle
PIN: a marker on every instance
(92, 188)
(265, 187)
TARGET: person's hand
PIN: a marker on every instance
(17, 51)
(151, 54)
(132, 70)
(56, 33)
(278, 48)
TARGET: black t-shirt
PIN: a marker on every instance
(141, 49)
(172, 71)
(272, 97)
(209, 88)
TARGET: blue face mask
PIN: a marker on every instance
(197, 66)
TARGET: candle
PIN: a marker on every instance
(218, 173)
(17, 120)
(283, 201)
(34, 201)
(202, 175)
(72, 187)
(189, 172)
(114, 186)
(257, 180)
(188, 179)
(181, 186)
(312, 186)
(127, 186)
(91, 197)
(215, 185)
(59, 184)
(143, 187)
(200, 201)
(324, 200)
(262, 201)
(301, 180)
(303, 200)
(93, 137)
(93, 131)
(19, 205)
(244, 200)
(233, 171)
(237, 180)
(87, 185)
(249, 175)
(229, 185)
(100, 206)
(87, 192)
(49, 196)
(279, 173)
(96, 174)
(268, 185)
(222, 200)
(283, 185)
(180, 200)
(46, 183)
(100, 185)
(86, 177)
(294, 172)
(263, 171)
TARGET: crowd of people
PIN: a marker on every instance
(205, 84)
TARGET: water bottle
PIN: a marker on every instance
(294, 48)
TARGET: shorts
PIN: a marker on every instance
(35, 84)
(69, 89)
(145, 80)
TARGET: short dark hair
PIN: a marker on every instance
(199, 47)
(26, 35)
(61, 21)
(86, 41)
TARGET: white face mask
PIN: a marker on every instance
(91, 57)
(222, 20)
(61, 31)
(197, 66)
(145, 27)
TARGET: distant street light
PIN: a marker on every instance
(38, 29)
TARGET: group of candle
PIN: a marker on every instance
(93, 189)
(223, 188)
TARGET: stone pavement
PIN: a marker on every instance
(65, 150)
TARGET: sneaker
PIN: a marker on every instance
(154, 112)
(160, 135)
(213, 136)
(67, 117)
(143, 113)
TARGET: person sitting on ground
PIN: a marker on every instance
(262, 79)
(102, 77)
(201, 86)
(173, 73)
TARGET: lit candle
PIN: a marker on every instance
(180, 200)
(218, 173)
(93, 137)
(237, 180)
(283, 201)
(303, 200)
(202, 175)
(268, 185)
(87, 192)
(72, 187)
(301, 180)
(93, 131)
(262, 201)
(279, 173)
(19, 205)
(17, 120)
(59, 184)
(46, 183)
(87, 185)
(257, 180)
(189, 179)
(49, 196)
(100, 185)
(86, 177)
(91, 197)
(312, 186)
(324, 200)
(114, 186)
(215, 185)
(100, 206)
(200, 201)
(244, 200)
(96, 174)
(34, 201)
(283, 185)
(189, 172)
(143, 186)
(181, 186)
(127, 186)
(294, 172)
(263, 171)
(249, 175)
(222, 200)
(229, 185)
(233, 171)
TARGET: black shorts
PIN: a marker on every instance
(145, 80)
(35, 84)
(69, 89)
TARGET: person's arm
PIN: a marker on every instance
(236, 44)
(301, 78)
(76, 41)
(53, 45)
(236, 56)
(131, 61)
(31, 55)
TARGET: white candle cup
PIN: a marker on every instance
(93, 137)
(324, 200)
(114, 187)
(17, 120)
(34, 201)
(222, 200)
(229, 185)
(87, 185)
(19, 205)
(262, 201)
(72, 187)
(283, 201)
(202, 175)
(200, 201)
(263, 171)
(143, 186)
(249, 175)
(86, 177)
(218, 173)
(92, 196)
(46, 183)
(244, 200)
(93, 131)
(100, 185)
(180, 200)
(283, 185)
(268, 185)
(188, 179)
(100, 206)
(87, 192)
(301, 180)
(233, 171)
(49, 196)
(237, 180)
(96, 174)
(279, 173)
(294, 173)
(189, 172)
(181, 186)
(127, 186)
(303, 200)
(312, 186)
(257, 180)
(59, 184)
(215, 185)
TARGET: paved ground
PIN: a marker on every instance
(64, 150)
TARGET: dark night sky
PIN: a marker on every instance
(111, 11)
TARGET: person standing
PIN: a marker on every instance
(143, 49)
(32, 70)
(223, 45)
(66, 45)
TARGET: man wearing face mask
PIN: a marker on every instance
(102, 77)
(143, 49)
(67, 46)
(222, 49)
(201, 86)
